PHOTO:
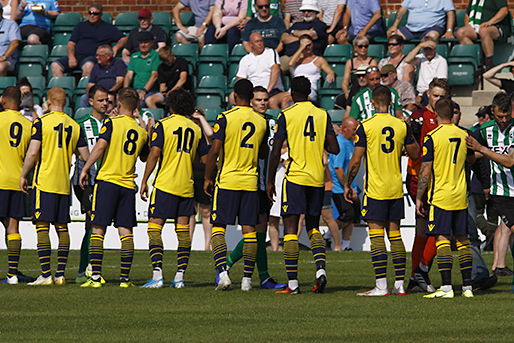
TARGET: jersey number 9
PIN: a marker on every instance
(130, 145)
(388, 147)
(16, 132)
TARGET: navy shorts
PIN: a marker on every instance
(409, 35)
(383, 210)
(504, 206)
(298, 199)
(51, 207)
(169, 206)
(447, 223)
(348, 212)
(264, 203)
(229, 204)
(12, 204)
(113, 203)
(63, 61)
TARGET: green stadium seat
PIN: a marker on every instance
(211, 113)
(466, 54)
(82, 112)
(406, 48)
(7, 81)
(155, 113)
(68, 110)
(29, 69)
(286, 81)
(337, 53)
(336, 116)
(333, 88)
(442, 49)
(187, 51)
(65, 82)
(61, 38)
(210, 69)
(238, 51)
(66, 21)
(377, 51)
(107, 17)
(463, 63)
(34, 54)
(187, 18)
(211, 84)
(214, 53)
(460, 18)
(38, 84)
(232, 70)
(57, 52)
(231, 84)
(338, 68)
(163, 20)
(81, 86)
(327, 101)
(126, 21)
(209, 100)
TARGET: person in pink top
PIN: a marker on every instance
(226, 22)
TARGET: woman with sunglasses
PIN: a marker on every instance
(396, 57)
(361, 59)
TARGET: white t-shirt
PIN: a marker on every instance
(329, 7)
(428, 70)
(257, 68)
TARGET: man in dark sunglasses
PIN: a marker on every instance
(271, 27)
(86, 37)
(36, 20)
(389, 77)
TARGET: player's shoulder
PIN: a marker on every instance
(486, 125)
(435, 132)
(290, 109)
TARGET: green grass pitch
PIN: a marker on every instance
(197, 313)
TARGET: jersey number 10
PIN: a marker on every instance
(185, 139)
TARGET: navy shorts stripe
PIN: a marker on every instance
(446, 223)
(298, 199)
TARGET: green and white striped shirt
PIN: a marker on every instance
(271, 120)
(362, 108)
(91, 127)
(490, 135)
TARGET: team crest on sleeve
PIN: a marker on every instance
(34, 130)
(356, 139)
(154, 136)
(216, 128)
(103, 129)
(425, 151)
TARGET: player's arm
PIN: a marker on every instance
(424, 173)
(331, 145)
(411, 145)
(94, 156)
(276, 151)
(504, 160)
(31, 158)
(353, 169)
(151, 162)
(210, 164)
(82, 150)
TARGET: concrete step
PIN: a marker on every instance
(468, 117)
(463, 100)
(483, 98)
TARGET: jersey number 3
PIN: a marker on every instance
(388, 147)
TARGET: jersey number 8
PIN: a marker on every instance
(130, 145)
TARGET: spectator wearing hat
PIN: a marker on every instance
(506, 84)
(270, 27)
(9, 41)
(202, 11)
(36, 20)
(343, 100)
(145, 18)
(85, 38)
(142, 68)
(226, 20)
(361, 18)
(389, 77)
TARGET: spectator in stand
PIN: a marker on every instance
(361, 18)
(86, 37)
(261, 66)
(108, 72)
(430, 18)
(9, 41)
(270, 27)
(310, 26)
(171, 75)
(10, 9)
(431, 65)
(342, 101)
(28, 108)
(275, 9)
(405, 90)
(332, 14)
(506, 84)
(36, 20)
(142, 69)
(305, 63)
(145, 18)
(397, 58)
(292, 13)
(488, 20)
(202, 11)
(226, 20)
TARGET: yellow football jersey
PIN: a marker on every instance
(242, 131)
(14, 141)
(126, 142)
(305, 127)
(446, 147)
(384, 137)
(60, 136)
(179, 139)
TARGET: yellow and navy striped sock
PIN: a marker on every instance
(249, 253)
(219, 248)
(96, 254)
(378, 253)
(465, 261)
(127, 255)
(444, 261)
(44, 249)
(13, 253)
(155, 244)
(317, 248)
(398, 253)
(184, 246)
(63, 250)
(291, 255)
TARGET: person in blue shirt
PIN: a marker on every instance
(36, 18)
(349, 213)
(9, 40)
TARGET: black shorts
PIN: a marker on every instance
(63, 61)
(504, 206)
(327, 200)
(447, 223)
(383, 210)
(409, 35)
(113, 203)
(348, 212)
(44, 35)
(264, 203)
(169, 206)
(200, 196)
(51, 207)
(228, 205)
(298, 199)
(12, 204)
(274, 92)
(85, 197)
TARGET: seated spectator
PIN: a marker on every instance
(268, 26)
(292, 13)
(332, 15)
(361, 18)
(10, 9)
(9, 41)
(227, 17)
(202, 11)
(431, 65)
(343, 101)
(506, 84)
(405, 89)
(28, 108)
(261, 67)
(145, 18)
(311, 26)
(85, 38)
(171, 75)
(108, 72)
(142, 69)
(305, 63)
(36, 20)
(431, 18)
(487, 20)
(274, 6)
(397, 59)
(361, 60)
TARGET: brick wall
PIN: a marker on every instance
(116, 6)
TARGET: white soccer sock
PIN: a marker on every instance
(157, 274)
(398, 284)
(345, 245)
(381, 283)
(292, 284)
(446, 288)
(179, 276)
(320, 272)
(467, 288)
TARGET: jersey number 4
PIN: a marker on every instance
(16, 132)
(308, 130)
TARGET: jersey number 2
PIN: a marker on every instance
(130, 145)
(457, 146)
(60, 133)
(388, 132)
(251, 130)
(16, 133)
